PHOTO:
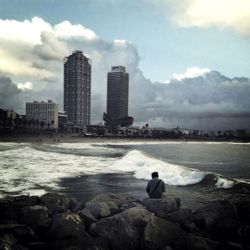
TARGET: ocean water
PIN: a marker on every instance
(197, 172)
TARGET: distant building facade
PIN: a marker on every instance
(117, 97)
(77, 89)
(44, 112)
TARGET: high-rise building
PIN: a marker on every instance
(77, 89)
(117, 97)
(45, 112)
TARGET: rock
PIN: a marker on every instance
(194, 242)
(83, 243)
(21, 232)
(75, 205)
(137, 216)
(243, 208)
(180, 216)
(160, 233)
(36, 217)
(37, 246)
(11, 207)
(56, 203)
(161, 207)
(228, 230)
(190, 227)
(101, 209)
(122, 200)
(66, 225)
(123, 230)
(167, 248)
(87, 217)
(233, 246)
(205, 218)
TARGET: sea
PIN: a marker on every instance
(195, 172)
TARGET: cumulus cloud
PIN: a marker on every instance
(9, 94)
(191, 73)
(197, 98)
(207, 13)
(26, 85)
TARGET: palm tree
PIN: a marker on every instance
(42, 123)
(52, 123)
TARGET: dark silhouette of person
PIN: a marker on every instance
(155, 186)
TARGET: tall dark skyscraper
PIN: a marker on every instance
(117, 92)
(117, 97)
(77, 88)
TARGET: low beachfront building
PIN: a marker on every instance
(46, 113)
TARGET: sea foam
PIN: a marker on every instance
(143, 165)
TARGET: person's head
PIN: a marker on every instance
(155, 175)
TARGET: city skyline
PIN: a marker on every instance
(185, 70)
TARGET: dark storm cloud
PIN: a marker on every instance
(211, 100)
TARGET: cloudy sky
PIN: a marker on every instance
(189, 60)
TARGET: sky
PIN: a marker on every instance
(188, 60)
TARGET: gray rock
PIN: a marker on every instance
(121, 200)
(36, 217)
(10, 207)
(66, 225)
(243, 208)
(206, 217)
(21, 232)
(161, 207)
(56, 203)
(87, 217)
(101, 209)
(123, 230)
(194, 242)
(160, 233)
(83, 243)
(180, 216)
(75, 205)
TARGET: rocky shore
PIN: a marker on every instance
(120, 222)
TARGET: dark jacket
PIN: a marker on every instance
(153, 191)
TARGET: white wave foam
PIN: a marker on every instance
(224, 183)
(143, 166)
(27, 170)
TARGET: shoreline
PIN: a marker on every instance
(72, 139)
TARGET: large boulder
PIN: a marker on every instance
(181, 216)
(232, 230)
(22, 233)
(108, 204)
(102, 209)
(10, 207)
(36, 217)
(123, 230)
(194, 242)
(87, 217)
(119, 198)
(243, 208)
(160, 233)
(66, 225)
(81, 243)
(161, 207)
(205, 218)
(56, 203)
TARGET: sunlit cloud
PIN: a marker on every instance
(208, 13)
(25, 86)
(191, 73)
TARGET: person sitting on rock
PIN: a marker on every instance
(155, 186)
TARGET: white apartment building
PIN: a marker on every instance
(46, 112)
